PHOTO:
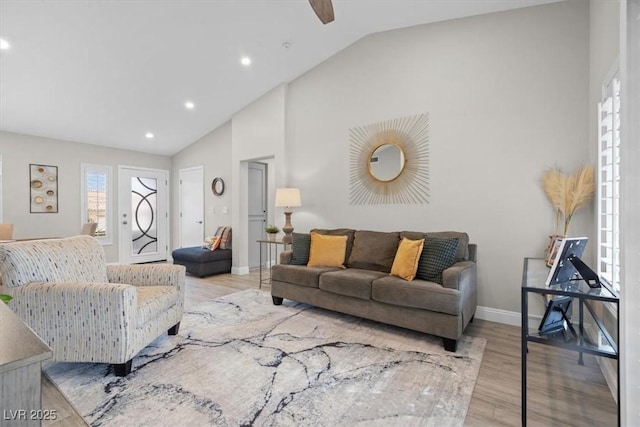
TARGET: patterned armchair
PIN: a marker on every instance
(86, 310)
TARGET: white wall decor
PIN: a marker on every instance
(404, 179)
(44, 188)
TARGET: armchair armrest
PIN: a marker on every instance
(285, 257)
(79, 321)
(460, 275)
(148, 275)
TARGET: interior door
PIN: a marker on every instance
(257, 210)
(143, 215)
(191, 206)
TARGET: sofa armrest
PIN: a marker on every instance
(460, 275)
(79, 321)
(285, 257)
(147, 275)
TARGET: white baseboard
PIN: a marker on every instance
(499, 316)
(240, 271)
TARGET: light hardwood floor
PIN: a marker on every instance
(560, 391)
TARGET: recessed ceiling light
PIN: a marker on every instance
(4, 45)
(148, 135)
(246, 61)
(190, 105)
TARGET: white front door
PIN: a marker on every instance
(191, 206)
(143, 214)
(257, 211)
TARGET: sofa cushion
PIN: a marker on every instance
(298, 274)
(352, 282)
(300, 247)
(437, 255)
(154, 300)
(405, 263)
(339, 232)
(200, 255)
(462, 253)
(416, 294)
(327, 251)
(374, 250)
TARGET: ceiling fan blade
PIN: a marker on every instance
(324, 10)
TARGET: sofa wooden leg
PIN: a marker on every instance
(276, 300)
(449, 344)
(174, 329)
(122, 369)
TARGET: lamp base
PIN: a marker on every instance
(288, 229)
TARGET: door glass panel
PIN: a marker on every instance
(143, 214)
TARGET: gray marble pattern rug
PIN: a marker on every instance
(241, 361)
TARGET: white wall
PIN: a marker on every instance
(213, 152)
(507, 98)
(18, 151)
(630, 199)
(258, 134)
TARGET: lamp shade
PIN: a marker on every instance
(288, 197)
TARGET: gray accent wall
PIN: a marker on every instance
(507, 96)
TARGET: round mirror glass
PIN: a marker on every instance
(217, 186)
(386, 162)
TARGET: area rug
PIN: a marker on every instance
(241, 361)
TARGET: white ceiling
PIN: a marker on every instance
(106, 72)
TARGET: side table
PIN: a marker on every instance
(533, 282)
(21, 355)
(271, 249)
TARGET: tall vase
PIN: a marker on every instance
(551, 252)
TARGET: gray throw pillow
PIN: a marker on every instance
(300, 248)
(438, 255)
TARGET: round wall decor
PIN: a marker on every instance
(389, 162)
(217, 186)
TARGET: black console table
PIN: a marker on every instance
(576, 338)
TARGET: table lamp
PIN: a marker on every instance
(287, 198)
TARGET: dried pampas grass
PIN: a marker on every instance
(568, 193)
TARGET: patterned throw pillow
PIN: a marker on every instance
(212, 243)
(438, 255)
(300, 248)
(225, 237)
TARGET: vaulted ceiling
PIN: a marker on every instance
(109, 72)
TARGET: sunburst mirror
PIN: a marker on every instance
(389, 162)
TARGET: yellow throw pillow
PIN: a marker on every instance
(405, 264)
(327, 251)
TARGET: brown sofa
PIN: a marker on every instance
(366, 289)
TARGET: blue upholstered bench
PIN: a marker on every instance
(203, 262)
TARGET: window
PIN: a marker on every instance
(97, 200)
(609, 182)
